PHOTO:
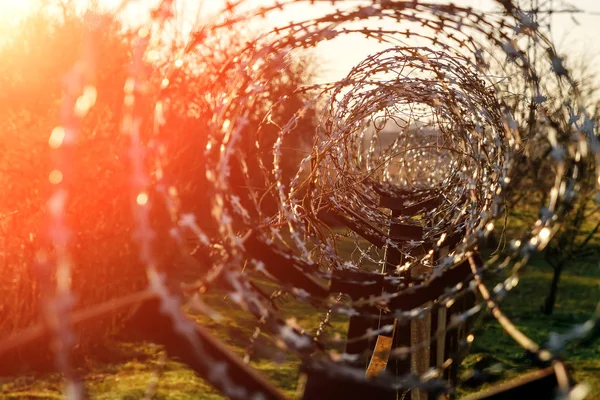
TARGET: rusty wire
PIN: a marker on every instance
(452, 84)
(434, 113)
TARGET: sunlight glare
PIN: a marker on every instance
(142, 199)
(55, 177)
(11, 10)
(57, 137)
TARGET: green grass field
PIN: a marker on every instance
(578, 296)
(579, 293)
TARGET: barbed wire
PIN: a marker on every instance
(433, 116)
(449, 86)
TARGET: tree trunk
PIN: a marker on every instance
(548, 306)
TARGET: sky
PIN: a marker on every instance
(576, 35)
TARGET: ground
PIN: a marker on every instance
(492, 348)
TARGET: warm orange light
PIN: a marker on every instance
(55, 177)
(14, 10)
(85, 101)
(142, 199)
(11, 10)
(57, 137)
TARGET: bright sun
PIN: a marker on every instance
(14, 9)
(11, 9)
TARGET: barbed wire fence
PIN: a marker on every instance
(414, 154)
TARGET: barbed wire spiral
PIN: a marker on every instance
(457, 131)
(437, 113)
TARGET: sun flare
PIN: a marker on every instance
(11, 9)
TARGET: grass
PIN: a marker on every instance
(579, 293)
(130, 380)
(493, 348)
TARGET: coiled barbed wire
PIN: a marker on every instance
(451, 85)
(433, 114)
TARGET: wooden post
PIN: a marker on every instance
(402, 334)
(420, 333)
(417, 331)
